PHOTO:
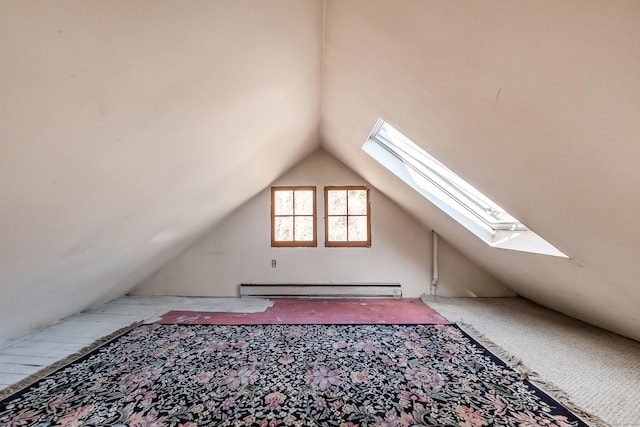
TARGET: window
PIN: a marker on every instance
(347, 218)
(293, 216)
(448, 191)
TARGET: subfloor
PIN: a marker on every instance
(599, 370)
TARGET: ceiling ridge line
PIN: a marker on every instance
(322, 45)
(323, 38)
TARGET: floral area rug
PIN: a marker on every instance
(286, 375)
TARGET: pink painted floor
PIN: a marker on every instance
(319, 311)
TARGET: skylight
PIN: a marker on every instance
(447, 190)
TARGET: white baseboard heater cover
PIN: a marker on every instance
(359, 290)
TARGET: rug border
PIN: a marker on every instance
(545, 387)
(22, 385)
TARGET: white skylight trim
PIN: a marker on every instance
(455, 196)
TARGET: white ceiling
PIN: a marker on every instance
(128, 128)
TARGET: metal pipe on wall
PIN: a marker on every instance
(435, 273)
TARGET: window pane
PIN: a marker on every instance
(357, 202)
(337, 228)
(283, 228)
(283, 202)
(304, 202)
(358, 229)
(336, 202)
(304, 228)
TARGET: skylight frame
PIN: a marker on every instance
(414, 166)
(459, 190)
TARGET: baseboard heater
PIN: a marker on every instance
(356, 290)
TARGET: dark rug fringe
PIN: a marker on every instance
(33, 378)
(532, 376)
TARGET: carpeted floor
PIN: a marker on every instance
(270, 375)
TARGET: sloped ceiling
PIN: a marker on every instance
(128, 128)
(536, 103)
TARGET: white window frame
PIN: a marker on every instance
(452, 194)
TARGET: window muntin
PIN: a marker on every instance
(293, 216)
(347, 216)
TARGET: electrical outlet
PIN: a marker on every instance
(273, 263)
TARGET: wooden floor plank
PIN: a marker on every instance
(9, 379)
(27, 360)
(37, 349)
(17, 368)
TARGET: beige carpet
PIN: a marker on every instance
(600, 371)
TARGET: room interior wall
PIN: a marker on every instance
(122, 124)
(533, 103)
(461, 277)
(126, 125)
(238, 250)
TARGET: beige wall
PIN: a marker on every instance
(238, 250)
(131, 127)
(534, 103)
(461, 277)
(122, 126)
